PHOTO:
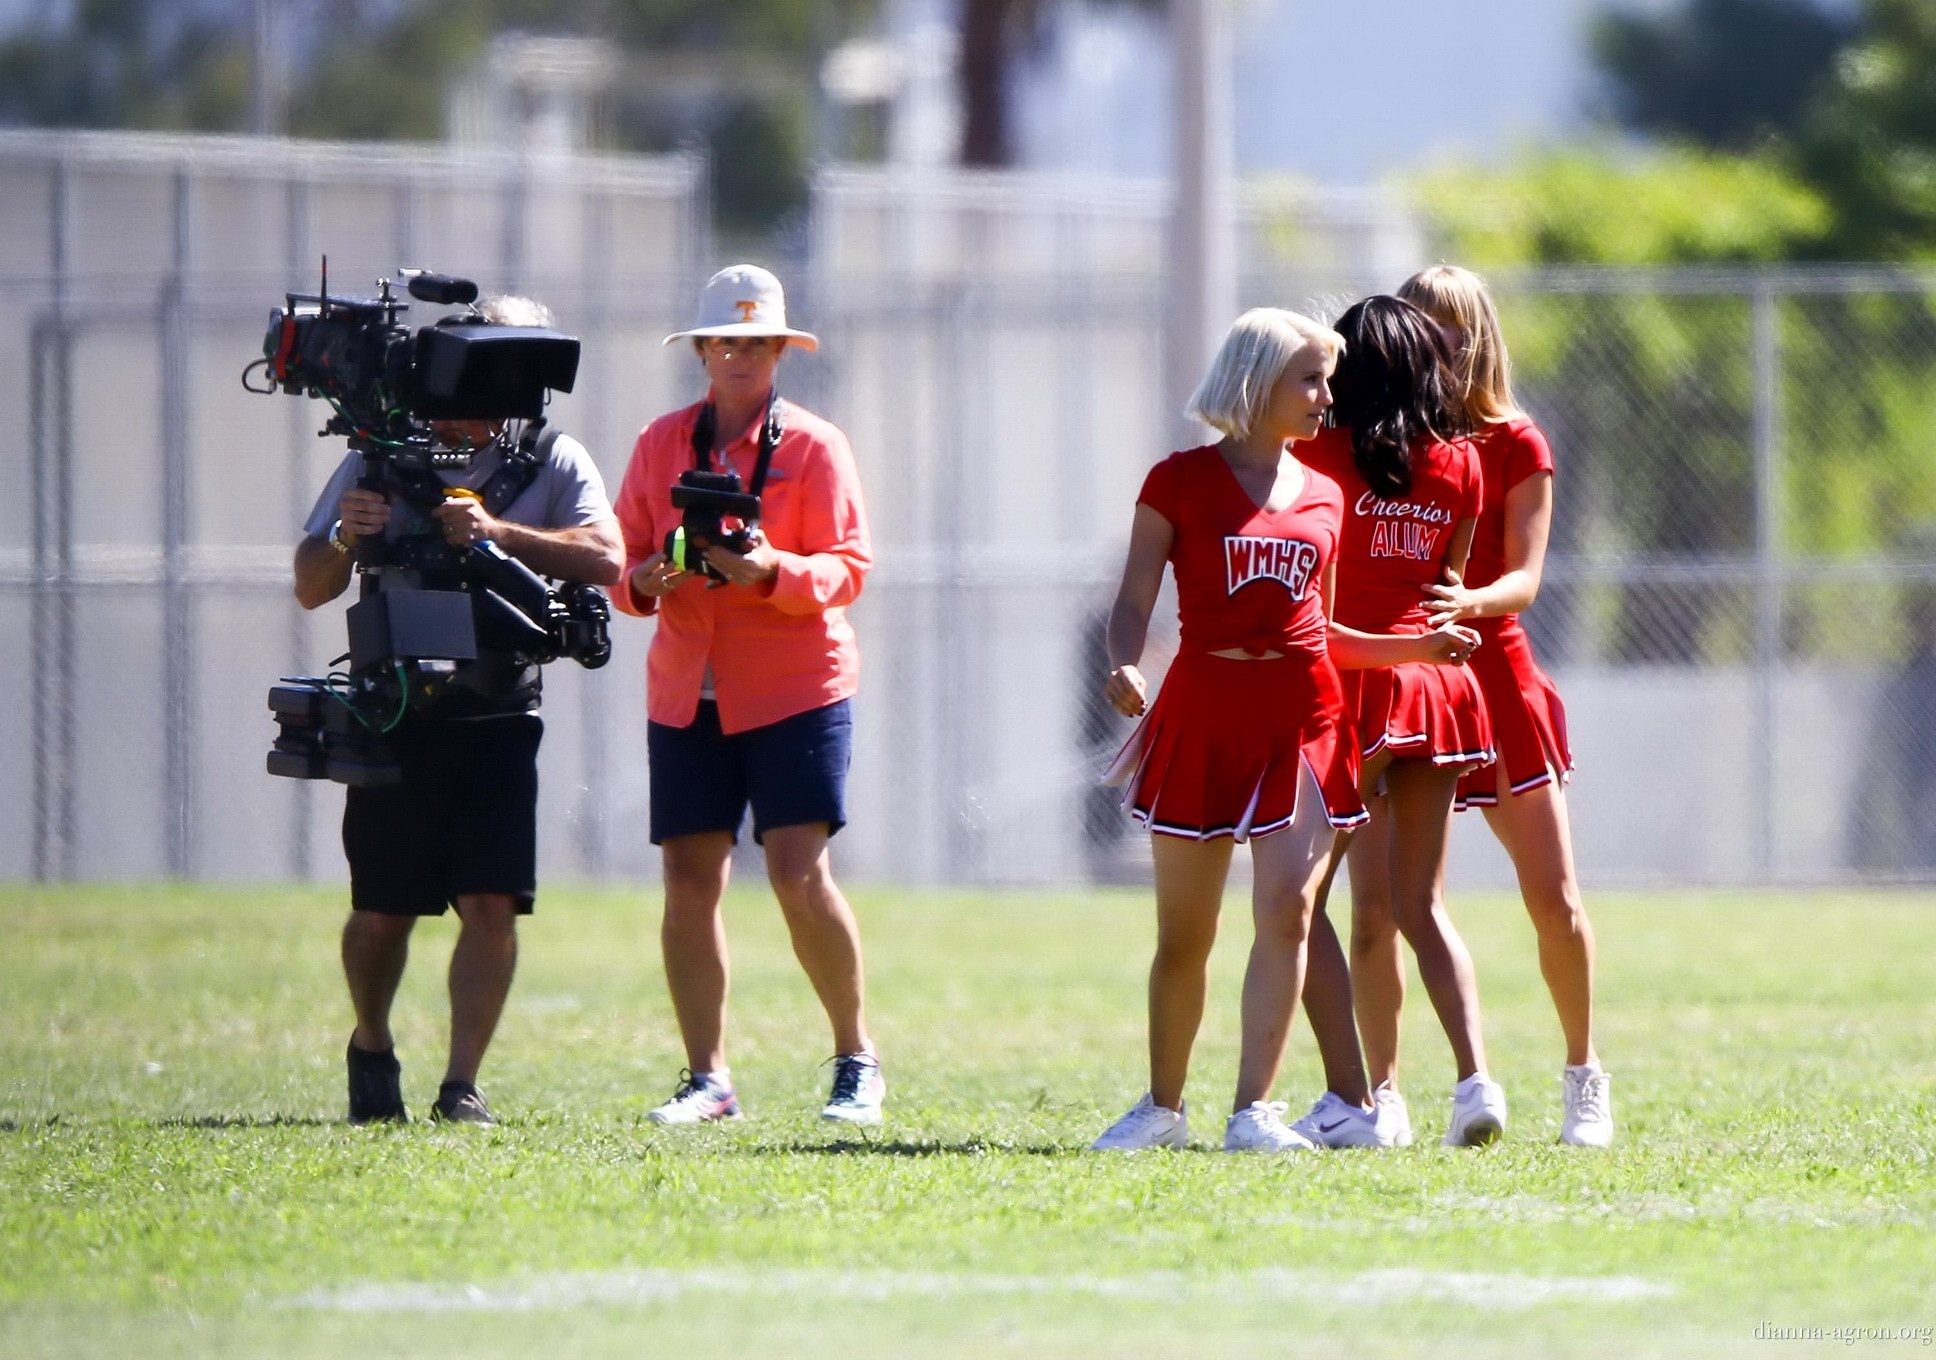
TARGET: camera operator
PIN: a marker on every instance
(749, 685)
(461, 826)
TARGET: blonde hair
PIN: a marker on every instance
(1457, 297)
(1254, 353)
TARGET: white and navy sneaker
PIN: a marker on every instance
(702, 1098)
(1260, 1127)
(1335, 1122)
(1147, 1125)
(858, 1090)
(1586, 1098)
(1478, 1112)
(1394, 1120)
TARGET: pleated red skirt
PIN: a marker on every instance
(1220, 751)
(1421, 711)
(1528, 719)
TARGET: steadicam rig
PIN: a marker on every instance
(427, 610)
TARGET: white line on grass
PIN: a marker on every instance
(1263, 1286)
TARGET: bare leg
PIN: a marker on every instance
(1189, 893)
(1533, 827)
(1377, 966)
(481, 967)
(692, 937)
(375, 948)
(826, 938)
(1327, 996)
(1421, 814)
(1290, 867)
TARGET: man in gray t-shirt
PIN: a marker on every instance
(460, 829)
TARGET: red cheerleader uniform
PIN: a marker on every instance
(1220, 751)
(1390, 550)
(1528, 719)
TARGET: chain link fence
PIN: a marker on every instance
(1740, 602)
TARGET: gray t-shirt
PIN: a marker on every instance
(565, 492)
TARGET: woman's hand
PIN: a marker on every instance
(1450, 601)
(756, 566)
(655, 577)
(1125, 691)
(1449, 645)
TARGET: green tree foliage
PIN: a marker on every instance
(1676, 205)
(1728, 74)
(1650, 392)
(1849, 106)
(1781, 135)
(1870, 143)
(383, 77)
(127, 63)
(734, 77)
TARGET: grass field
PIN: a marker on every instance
(174, 1178)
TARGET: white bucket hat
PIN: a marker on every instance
(743, 299)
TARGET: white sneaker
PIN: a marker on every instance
(1394, 1120)
(859, 1088)
(1586, 1097)
(1478, 1112)
(1335, 1122)
(1147, 1125)
(1260, 1127)
(702, 1098)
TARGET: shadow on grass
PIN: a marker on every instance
(199, 1121)
(888, 1147)
(246, 1121)
(51, 1121)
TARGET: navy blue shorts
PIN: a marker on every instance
(793, 772)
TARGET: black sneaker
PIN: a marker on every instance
(376, 1089)
(459, 1102)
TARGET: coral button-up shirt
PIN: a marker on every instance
(778, 649)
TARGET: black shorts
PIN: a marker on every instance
(792, 772)
(464, 819)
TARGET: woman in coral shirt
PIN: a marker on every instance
(749, 685)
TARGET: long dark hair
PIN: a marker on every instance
(1393, 389)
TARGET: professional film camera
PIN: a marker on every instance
(707, 500)
(427, 612)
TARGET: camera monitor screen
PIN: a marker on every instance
(486, 372)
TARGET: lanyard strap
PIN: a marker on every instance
(705, 427)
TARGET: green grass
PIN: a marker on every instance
(174, 1179)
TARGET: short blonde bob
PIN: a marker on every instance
(1481, 368)
(1253, 356)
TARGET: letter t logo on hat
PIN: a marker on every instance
(744, 299)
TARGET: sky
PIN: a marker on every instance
(1343, 92)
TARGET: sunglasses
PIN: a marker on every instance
(742, 344)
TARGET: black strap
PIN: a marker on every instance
(516, 470)
(705, 429)
(519, 467)
(770, 431)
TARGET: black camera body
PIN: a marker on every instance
(385, 382)
(706, 500)
(427, 610)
